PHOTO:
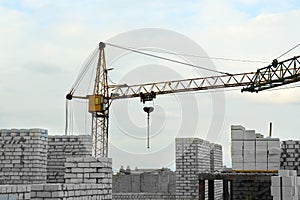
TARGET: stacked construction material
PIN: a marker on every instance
(237, 147)
(250, 151)
(290, 155)
(285, 185)
(23, 156)
(274, 152)
(61, 147)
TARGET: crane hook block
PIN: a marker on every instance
(69, 96)
(147, 96)
(148, 109)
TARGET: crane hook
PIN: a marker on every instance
(148, 110)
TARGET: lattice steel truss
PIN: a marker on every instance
(274, 75)
(186, 85)
(100, 119)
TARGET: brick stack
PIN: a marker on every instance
(192, 157)
(89, 170)
(261, 154)
(249, 150)
(251, 153)
(290, 155)
(14, 192)
(60, 147)
(23, 156)
(274, 152)
(285, 186)
(237, 147)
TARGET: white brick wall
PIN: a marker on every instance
(60, 147)
(23, 156)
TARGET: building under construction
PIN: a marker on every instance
(38, 166)
(35, 165)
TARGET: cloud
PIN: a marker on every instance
(43, 68)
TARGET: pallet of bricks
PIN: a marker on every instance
(286, 186)
(250, 151)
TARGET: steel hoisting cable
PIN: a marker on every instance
(148, 133)
(167, 59)
(202, 57)
(288, 51)
(84, 70)
(67, 113)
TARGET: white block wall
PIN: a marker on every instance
(23, 156)
(60, 147)
(192, 157)
(89, 170)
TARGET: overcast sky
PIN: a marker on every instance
(43, 44)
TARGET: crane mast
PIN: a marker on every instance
(99, 107)
(274, 75)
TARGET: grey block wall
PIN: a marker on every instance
(145, 196)
(60, 147)
(158, 181)
(23, 156)
(192, 157)
(252, 189)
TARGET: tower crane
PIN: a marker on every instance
(274, 75)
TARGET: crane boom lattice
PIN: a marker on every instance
(274, 75)
(185, 85)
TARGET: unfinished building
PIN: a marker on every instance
(193, 156)
(34, 165)
(30, 168)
